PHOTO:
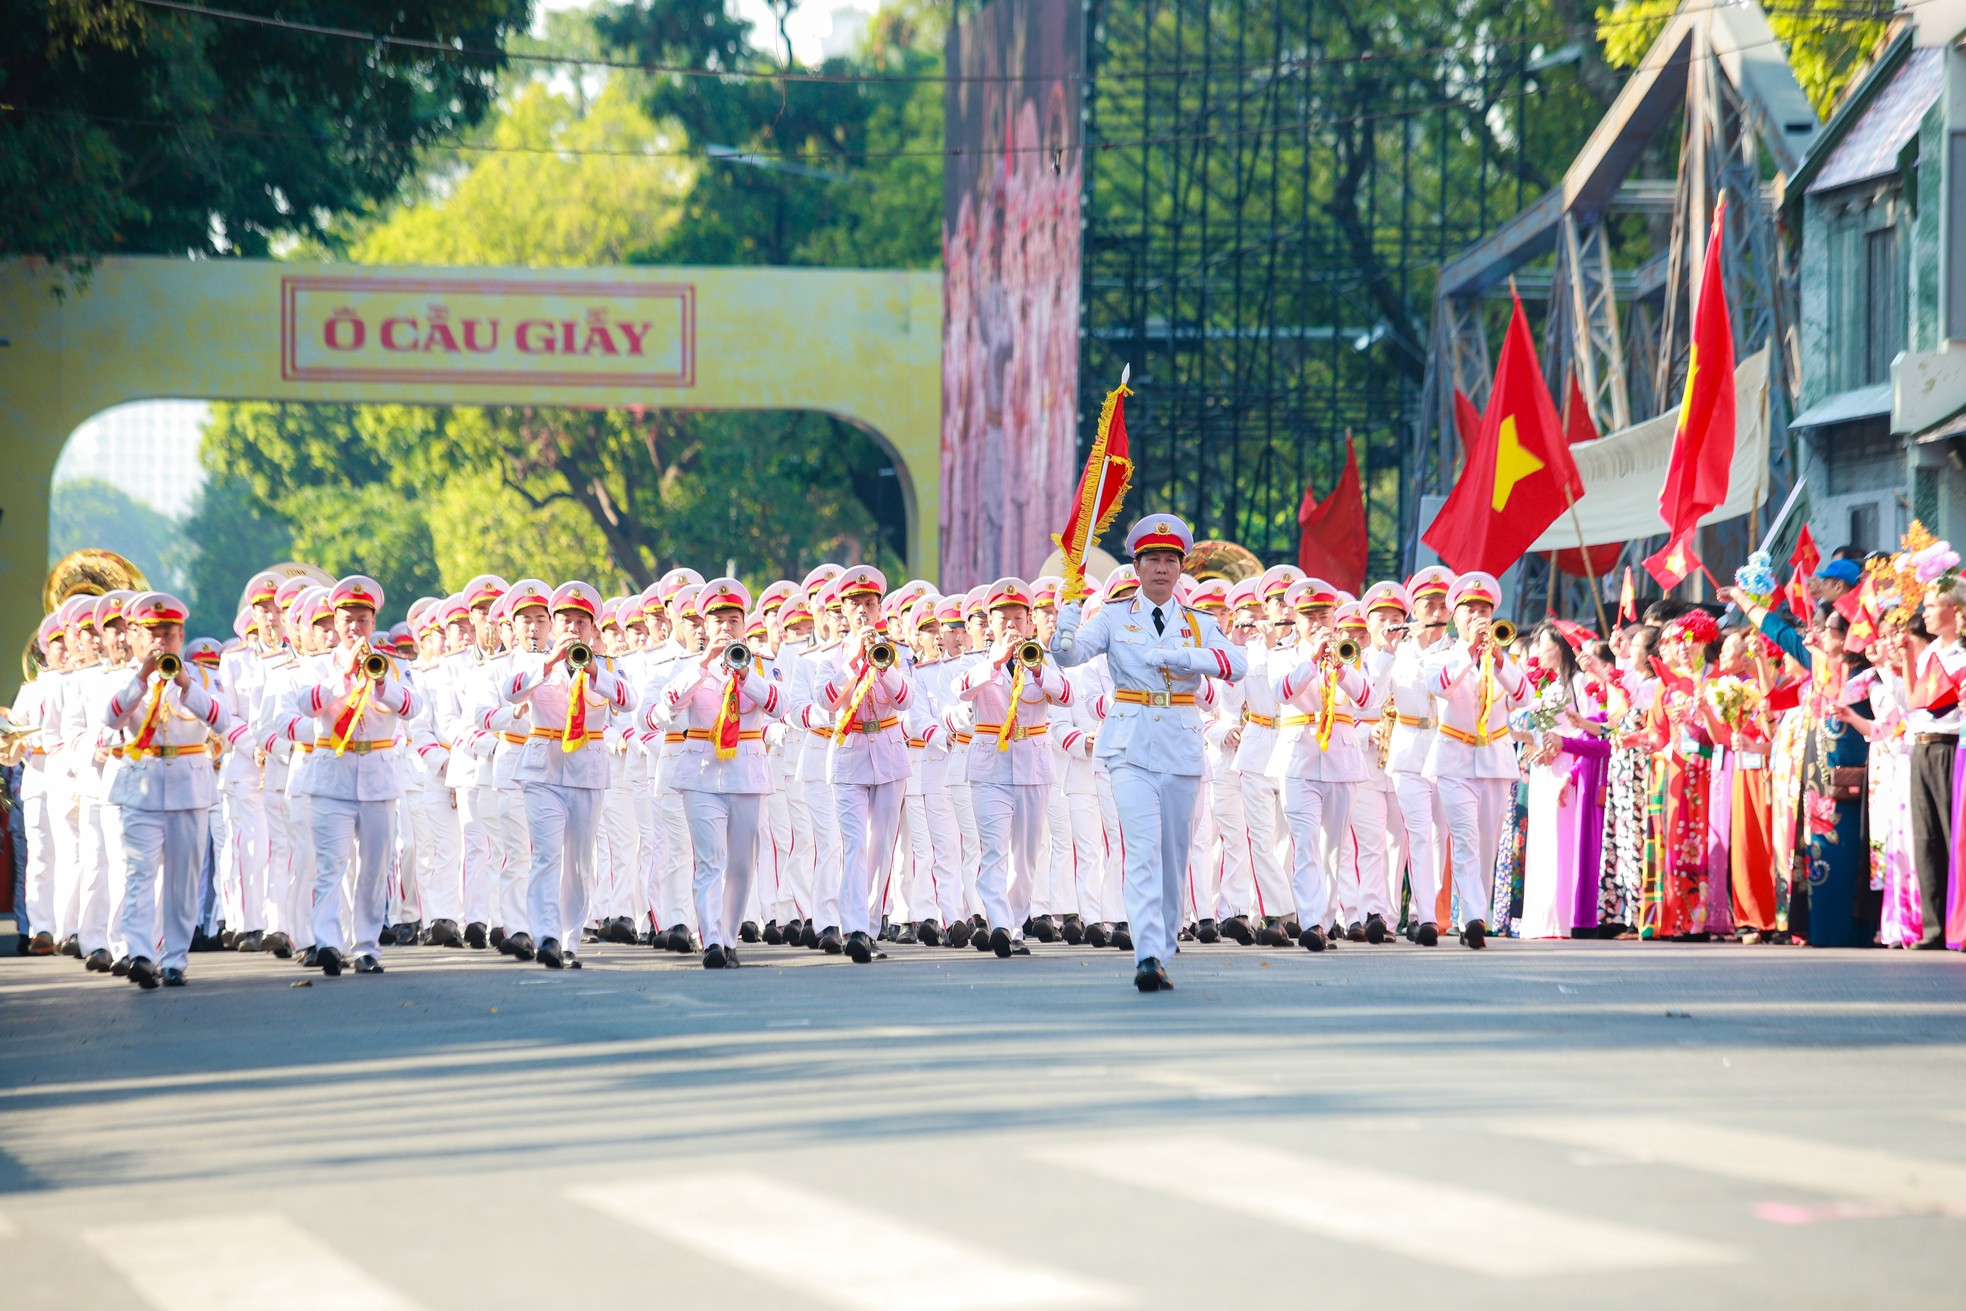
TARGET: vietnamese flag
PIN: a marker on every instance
(1628, 598)
(1578, 427)
(1703, 443)
(1333, 542)
(1674, 561)
(1803, 561)
(1467, 421)
(1519, 476)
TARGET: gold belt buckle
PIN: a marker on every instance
(1162, 699)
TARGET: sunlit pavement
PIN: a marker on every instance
(1568, 1125)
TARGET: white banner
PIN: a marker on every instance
(1624, 472)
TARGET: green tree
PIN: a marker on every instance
(91, 512)
(231, 533)
(1827, 43)
(128, 128)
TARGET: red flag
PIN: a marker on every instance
(1803, 559)
(1573, 633)
(1703, 444)
(1467, 421)
(1674, 561)
(1102, 486)
(1577, 423)
(1628, 598)
(1333, 541)
(1577, 427)
(1519, 475)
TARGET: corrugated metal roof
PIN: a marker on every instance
(1858, 403)
(1871, 148)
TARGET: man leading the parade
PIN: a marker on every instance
(1157, 654)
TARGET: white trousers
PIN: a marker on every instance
(648, 846)
(869, 815)
(621, 875)
(915, 859)
(799, 862)
(673, 905)
(943, 899)
(972, 845)
(1474, 809)
(64, 810)
(1112, 877)
(1010, 820)
(511, 835)
(300, 888)
(723, 831)
(776, 847)
(480, 856)
(103, 869)
(1318, 813)
(1203, 884)
(38, 812)
(564, 824)
(1369, 870)
(280, 846)
(440, 853)
(365, 830)
(1234, 890)
(1268, 833)
(405, 883)
(111, 826)
(163, 851)
(1426, 846)
(242, 859)
(1156, 819)
(827, 870)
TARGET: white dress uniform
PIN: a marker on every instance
(1078, 841)
(665, 891)
(1412, 706)
(459, 702)
(355, 792)
(1151, 739)
(1378, 847)
(289, 738)
(1221, 887)
(74, 721)
(440, 853)
(1010, 776)
(103, 867)
(1319, 782)
(785, 740)
(245, 859)
(33, 709)
(1472, 760)
(166, 793)
(1266, 829)
(724, 796)
(562, 772)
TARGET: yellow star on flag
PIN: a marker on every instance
(1692, 372)
(1512, 464)
(1677, 561)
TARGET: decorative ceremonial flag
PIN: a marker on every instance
(1573, 633)
(1332, 541)
(1804, 560)
(1674, 562)
(1467, 421)
(1577, 424)
(1628, 599)
(1703, 444)
(1102, 486)
(1519, 475)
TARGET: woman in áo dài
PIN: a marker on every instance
(1677, 730)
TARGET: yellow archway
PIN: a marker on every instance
(863, 345)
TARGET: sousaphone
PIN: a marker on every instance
(1224, 560)
(90, 571)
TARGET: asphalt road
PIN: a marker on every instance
(1594, 1124)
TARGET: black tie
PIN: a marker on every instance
(1160, 625)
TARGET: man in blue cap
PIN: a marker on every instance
(1836, 577)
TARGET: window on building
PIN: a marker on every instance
(1863, 527)
(1884, 302)
(1867, 293)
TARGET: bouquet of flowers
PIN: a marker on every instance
(1757, 577)
(1734, 700)
(1550, 699)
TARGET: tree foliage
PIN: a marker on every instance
(1827, 43)
(92, 512)
(126, 128)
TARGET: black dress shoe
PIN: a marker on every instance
(1236, 929)
(1122, 936)
(1187, 934)
(443, 933)
(311, 958)
(519, 946)
(173, 977)
(1356, 933)
(1072, 931)
(1427, 935)
(1312, 939)
(475, 935)
(1475, 935)
(959, 933)
(388, 936)
(1030, 926)
(367, 965)
(72, 946)
(622, 931)
(330, 961)
(730, 958)
(772, 934)
(121, 969)
(929, 933)
(859, 947)
(1207, 931)
(228, 940)
(254, 941)
(713, 957)
(905, 936)
(831, 942)
(1000, 943)
(99, 961)
(748, 932)
(1375, 929)
(809, 936)
(496, 937)
(1097, 935)
(679, 939)
(980, 940)
(280, 945)
(41, 944)
(1148, 976)
(550, 954)
(143, 973)
(1044, 929)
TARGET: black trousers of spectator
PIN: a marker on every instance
(1931, 831)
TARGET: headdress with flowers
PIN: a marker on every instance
(1695, 626)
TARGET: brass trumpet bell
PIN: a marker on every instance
(737, 656)
(579, 655)
(881, 655)
(375, 664)
(1503, 632)
(1347, 651)
(170, 665)
(1030, 654)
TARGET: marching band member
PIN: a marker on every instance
(796, 862)
(1157, 654)
(1377, 848)
(865, 686)
(810, 776)
(1227, 856)
(720, 700)
(566, 695)
(1010, 771)
(1472, 761)
(1413, 709)
(359, 709)
(165, 791)
(440, 872)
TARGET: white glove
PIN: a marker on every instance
(1157, 658)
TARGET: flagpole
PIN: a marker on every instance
(1590, 570)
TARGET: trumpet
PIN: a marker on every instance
(881, 655)
(1503, 633)
(170, 664)
(374, 663)
(1030, 654)
(579, 655)
(737, 656)
(1346, 651)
